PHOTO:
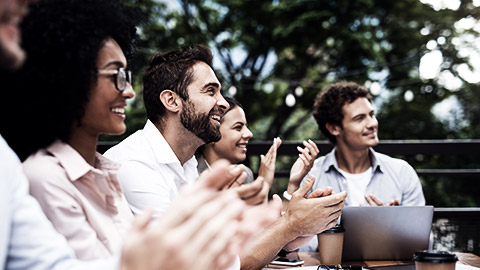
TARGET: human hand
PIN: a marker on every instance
(253, 193)
(374, 201)
(302, 165)
(302, 240)
(203, 229)
(235, 177)
(317, 193)
(313, 215)
(267, 162)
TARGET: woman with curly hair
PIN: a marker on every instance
(76, 84)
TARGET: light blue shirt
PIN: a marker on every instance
(392, 179)
(27, 239)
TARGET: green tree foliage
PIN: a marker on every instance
(271, 51)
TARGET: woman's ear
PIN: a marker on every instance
(333, 129)
(170, 100)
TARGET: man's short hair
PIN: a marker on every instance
(173, 71)
(328, 106)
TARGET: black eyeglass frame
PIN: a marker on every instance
(121, 77)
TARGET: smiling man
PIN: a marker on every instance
(345, 115)
(184, 108)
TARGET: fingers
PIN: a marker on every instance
(212, 228)
(141, 221)
(335, 200)
(317, 193)
(309, 153)
(272, 152)
(216, 177)
(394, 202)
(253, 193)
(373, 200)
(238, 181)
(225, 207)
(260, 197)
(181, 209)
(312, 147)
(305, 187)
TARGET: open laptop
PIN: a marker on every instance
(385, 233)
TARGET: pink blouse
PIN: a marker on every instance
(84, 203)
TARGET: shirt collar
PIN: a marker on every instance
(76, 168)
(160, 147)
(331, 160)
(75, 165)
(376, 162)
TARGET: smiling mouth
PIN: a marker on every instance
(118, 110)
(217, 118)
(242, 146)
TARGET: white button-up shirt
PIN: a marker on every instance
(151, 174)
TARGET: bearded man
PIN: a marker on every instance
(184, 108)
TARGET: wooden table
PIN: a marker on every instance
(312, 259)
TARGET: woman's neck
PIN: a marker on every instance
(209, 154)
(85, 144)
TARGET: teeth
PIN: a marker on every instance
(118, 110)
(216, 117)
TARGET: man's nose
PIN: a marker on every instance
(222, 103)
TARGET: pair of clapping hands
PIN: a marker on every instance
(256, 192)
(202, 229)
(304, 164)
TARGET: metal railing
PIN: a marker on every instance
(408, 148)
(455, 229)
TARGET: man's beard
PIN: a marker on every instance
(199, 124)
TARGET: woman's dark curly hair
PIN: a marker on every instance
(62, 39)
(328, 106)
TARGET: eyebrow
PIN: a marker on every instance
(114, 63)
(363, 114)
(239, 123)
(214, 84)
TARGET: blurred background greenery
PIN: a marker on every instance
(420, 60)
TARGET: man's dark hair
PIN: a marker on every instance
(62, 39)
(328, 106)
(171, 71)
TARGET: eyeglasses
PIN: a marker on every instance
(121, 76)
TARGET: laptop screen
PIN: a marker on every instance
(385, 232)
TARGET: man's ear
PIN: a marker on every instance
(170, 100)
(333, 129)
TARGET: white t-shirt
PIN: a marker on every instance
(357, 184)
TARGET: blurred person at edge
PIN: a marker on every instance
(28, 240)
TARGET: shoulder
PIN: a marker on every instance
(395, 166)
(43, 171)
(134, 147)
(390, 161)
